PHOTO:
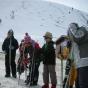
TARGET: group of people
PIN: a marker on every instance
(71, 47)
(30, 52)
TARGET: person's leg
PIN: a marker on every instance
(36, 74)
(13, 66)
(7, 66)
(45, 76)
(83, 79)
(53, 76)
(30, 77)
(77, 81)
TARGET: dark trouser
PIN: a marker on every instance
(34, 73)
(10, 64)
(77, 81)
(83, 77)
(49, 69)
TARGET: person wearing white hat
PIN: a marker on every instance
(49, 61)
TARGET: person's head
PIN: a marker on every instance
(26, 34)
(72, 30)
(10, 33)
(61, 39)
(27, 38)
(22, 41)
(48, 37)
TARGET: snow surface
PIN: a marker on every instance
(16, 83)
(35, 17)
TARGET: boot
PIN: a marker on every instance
(53, 86)
(7, 75)
(33, 84)
(45, 86)
(14, 76)
(27, 80)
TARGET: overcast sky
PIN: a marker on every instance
(78, 4)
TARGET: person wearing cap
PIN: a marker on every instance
(49, 61)
(9, 46)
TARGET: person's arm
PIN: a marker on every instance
(4, 45)
(58, 50)
(16, 44)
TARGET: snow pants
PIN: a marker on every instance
(34, 73)
(10, 65)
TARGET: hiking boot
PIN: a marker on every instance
(27, 80)
(45, 86)
(14, 76)
(33, 84)
(7, 75)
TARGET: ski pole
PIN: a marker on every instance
(61, 73)
(10, 53)
(31, 70)
(19, 70)
(25, 68)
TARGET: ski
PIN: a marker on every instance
(32, 68)
(10, 46)
(61, 74)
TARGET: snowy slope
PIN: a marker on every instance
(13, 83)
(10, 82)
(36, 17)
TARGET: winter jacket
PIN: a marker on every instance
(48, 52)
(80, 62)
(6, 45)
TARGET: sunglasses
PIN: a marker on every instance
(46, 38)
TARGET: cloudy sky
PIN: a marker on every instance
(78, 4)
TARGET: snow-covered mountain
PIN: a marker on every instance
(36, 17)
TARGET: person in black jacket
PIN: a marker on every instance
(9, 46)
(49, 61)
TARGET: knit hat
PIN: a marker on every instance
(27, 38)
(10, 32)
